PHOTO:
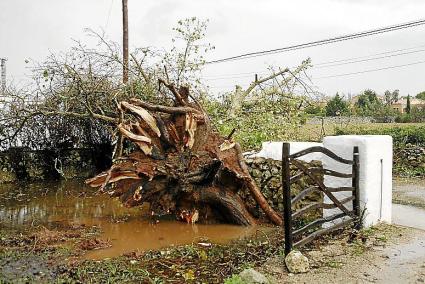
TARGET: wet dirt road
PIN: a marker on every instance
(406, 262)
(401, 259)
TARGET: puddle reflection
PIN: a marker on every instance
(128, 229)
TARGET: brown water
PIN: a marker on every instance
(71, 202)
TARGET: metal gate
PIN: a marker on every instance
(314, 229)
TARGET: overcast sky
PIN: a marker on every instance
(30, 29)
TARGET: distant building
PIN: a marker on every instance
(401, 104)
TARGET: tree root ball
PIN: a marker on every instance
(179, 165)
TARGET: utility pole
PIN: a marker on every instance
(125, 41)
(3, 75)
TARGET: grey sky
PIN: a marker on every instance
(29, 29)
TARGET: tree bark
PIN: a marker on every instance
(179, 165)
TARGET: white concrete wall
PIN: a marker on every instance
(375, 170)
(273, 150)
(375, 173)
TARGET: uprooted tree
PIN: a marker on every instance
(167, 150)
(179, 164)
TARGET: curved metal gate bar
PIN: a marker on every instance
(287, 180)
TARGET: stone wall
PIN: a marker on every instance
(341, 120)
(267, 174)
(25, 164)
(409, 160)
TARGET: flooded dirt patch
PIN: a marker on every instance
(122, 230)
(65, 232)
(23, 268)
(37, 254)
(200, 262)
(195, 263)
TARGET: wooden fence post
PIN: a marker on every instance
(355, 184)
(287, 211)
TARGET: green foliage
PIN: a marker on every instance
(408, 106)
(74, 96)
(337, 106)
(185, 59)
(421, 96)
(368, 103)
(265, 119)
(401, 135)
(235, 279)
(403, 118)
(391, 97)
(315, 109)
(416, 114)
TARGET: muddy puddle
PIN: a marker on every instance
(71, 202)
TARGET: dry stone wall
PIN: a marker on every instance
(267, 174)
(409, 160)
(24, 164)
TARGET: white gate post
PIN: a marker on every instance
(375, 183)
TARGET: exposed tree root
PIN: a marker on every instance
(179, 165)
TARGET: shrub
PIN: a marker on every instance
(401, 135)
(337, 106)
(404, 138)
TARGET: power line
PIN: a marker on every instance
(371, 70)
(367, 56)
(322, 42)
(328, 64)
(348, 74)
(367, 59)
(236, 75)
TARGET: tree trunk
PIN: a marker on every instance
(179, 165)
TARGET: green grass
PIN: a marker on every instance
(183, 264)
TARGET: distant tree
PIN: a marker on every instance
(417, 114)
(408, 106)
(314, 109)
(391, 97)
(368, 103)
(336, 106)
(421, 96)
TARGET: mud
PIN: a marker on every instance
(123, 230)
(385, 254)
(25, 267)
